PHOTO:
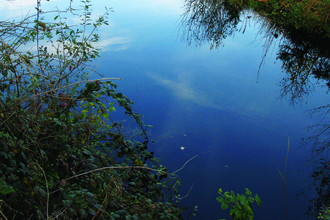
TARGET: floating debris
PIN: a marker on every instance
(184, 135)
(182, 148)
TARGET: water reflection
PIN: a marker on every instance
(305, 61)
(185, 92)
(303, 58)
(208, 20)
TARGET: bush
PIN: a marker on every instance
(240, 205)
(63, 154)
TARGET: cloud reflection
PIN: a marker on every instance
(113, 44)
(185, 92)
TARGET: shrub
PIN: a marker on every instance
(63, 153)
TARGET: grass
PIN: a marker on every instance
(310, 16)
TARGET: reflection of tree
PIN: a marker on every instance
(319, 159)
(303, 58)
(321, 184)
(209, 20)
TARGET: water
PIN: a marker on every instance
(208, 102)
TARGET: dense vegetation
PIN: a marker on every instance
(63, 150)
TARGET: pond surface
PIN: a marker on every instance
(209, 102)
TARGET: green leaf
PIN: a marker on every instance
(249, 210)
(237, 215)
(233, 194)
(121, 138)
(248, 192)
(87, 152)
(78, 199)
(105, 115)
(92, 212)
(4, 189)
(112, 94)
(91, 98)
(90, 194)
(103, 91)
(250, 200)
(258, 200)
(238, 197)
(224, 206)
(220, 199)
(99, 207)
(232, 211)
(227, 199)
(90, 86)
(68, 148)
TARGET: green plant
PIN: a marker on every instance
(63, 152)
(240, 205)
(324, 214)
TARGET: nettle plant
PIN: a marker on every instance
(240, 205)
(63, 154)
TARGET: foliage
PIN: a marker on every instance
(311, 16)
(324, 214)
(306, 15)
(63, 154)
(240, 205)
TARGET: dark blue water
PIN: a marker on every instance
(208, 102)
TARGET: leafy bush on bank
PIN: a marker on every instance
(62, 153)
(304, 15)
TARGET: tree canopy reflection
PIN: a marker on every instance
(209, 21)
(305, 60)
(303, 56)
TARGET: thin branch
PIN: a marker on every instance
(284, 178)
(185, 164)
(46, 188)
(3, 215)
(114, 168)
(286, 160)
(180, 198)
(53, 90)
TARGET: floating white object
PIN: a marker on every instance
(182, 148)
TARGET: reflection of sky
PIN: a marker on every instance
(208, 102)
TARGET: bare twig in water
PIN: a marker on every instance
(185, 164)
(284, 178)
(180, 198)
